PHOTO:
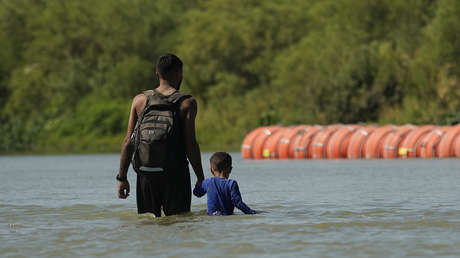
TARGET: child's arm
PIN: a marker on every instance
(200, 190)
(238, 201)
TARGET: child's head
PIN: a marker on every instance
(221, 164)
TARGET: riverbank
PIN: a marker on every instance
(93, 145)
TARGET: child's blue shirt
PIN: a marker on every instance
(223, 195)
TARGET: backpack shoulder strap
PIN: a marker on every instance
(177, 97)
(148, 92)
(154, 98)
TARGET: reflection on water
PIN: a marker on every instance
(66, 205)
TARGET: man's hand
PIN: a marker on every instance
(123, 189)
(199, 191)
(199, 182)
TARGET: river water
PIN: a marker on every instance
(67, 206)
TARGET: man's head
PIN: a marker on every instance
(169, 68)
(221, 163)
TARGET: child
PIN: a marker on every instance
(222, 193)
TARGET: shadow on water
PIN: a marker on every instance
(120, 213)
(189, 217)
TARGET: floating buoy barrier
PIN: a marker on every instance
(392, 145)
(413, 141)
(429, 144)
(358, 141)
(302, 144)
(446, 145)
(374, 145)
(287, 143)
(341, 141)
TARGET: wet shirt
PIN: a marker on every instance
(223, 196)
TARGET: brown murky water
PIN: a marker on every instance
(67, 206)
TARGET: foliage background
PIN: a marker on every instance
(69, 69)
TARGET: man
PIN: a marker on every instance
(169, 189)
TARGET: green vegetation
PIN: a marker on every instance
(70, 68)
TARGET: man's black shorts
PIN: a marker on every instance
(170, 190)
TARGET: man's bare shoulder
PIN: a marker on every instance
(188, 104)
(139, 98)
(139, 102)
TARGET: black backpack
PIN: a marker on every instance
(157, 132)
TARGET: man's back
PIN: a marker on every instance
(176, 181)
(158, 137)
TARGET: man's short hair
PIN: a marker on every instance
(168, 64)
(220, 161)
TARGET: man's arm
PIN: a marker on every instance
(127, 148)
(188, 111)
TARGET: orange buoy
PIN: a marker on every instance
(357, 142)
(374, 145)
(346, 142)
(338, 143)
(259, 141)
(457, 146)
(286, 145)
(302, 145)
(445, 146)
(283, 144)
(270, 148)
(292, 147)
(392, 142)
(246, 147)
(413, 140)
(445, 130)
(430, 142)
(320, 141)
